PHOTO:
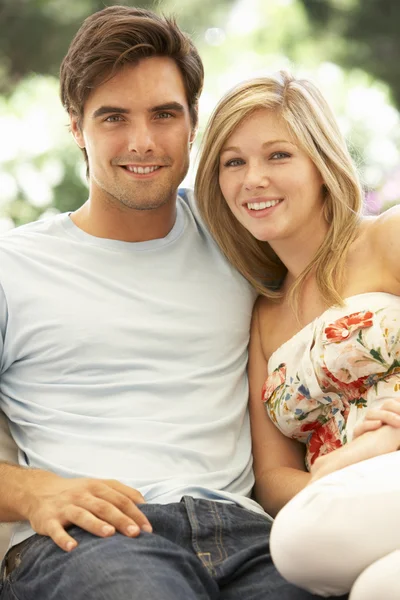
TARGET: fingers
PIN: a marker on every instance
(125, 499)
(127, 491)
(85, 519)
(392, 405)
(60, 537)
(100, 507)
(112, 510)
(98, 517)
(367, 425)
(388, 413)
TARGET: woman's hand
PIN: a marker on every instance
(373, 443)
(387, 414)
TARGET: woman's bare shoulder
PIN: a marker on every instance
(384, 224)
(384, 231)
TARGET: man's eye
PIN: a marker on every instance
(164, 115)
(113, 119)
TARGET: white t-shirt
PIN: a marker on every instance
(127, 360)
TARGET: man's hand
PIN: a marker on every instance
(100, 506)
(387, 414)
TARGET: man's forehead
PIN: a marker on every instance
(148, 83)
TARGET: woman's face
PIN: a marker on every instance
(271, 186)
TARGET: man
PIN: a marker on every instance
(123, 353)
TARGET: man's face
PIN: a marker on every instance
(137, 132)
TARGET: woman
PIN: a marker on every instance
(278, 189)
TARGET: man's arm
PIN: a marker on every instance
(51, 503)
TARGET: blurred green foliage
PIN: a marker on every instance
(368, 35)
(41, 170)
(35, 34)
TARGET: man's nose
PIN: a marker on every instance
(141, 139)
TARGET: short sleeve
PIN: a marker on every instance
(3, 325)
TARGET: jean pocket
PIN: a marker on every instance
(14, 557)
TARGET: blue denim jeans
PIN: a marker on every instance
(199, 549)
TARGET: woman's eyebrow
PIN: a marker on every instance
(266, 145)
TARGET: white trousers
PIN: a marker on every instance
(342, 533)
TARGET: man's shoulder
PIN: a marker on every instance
(43, 226)
(219, 263)
(187, 195)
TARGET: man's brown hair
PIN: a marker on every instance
(121, 35)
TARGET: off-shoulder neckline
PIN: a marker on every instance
(311, 323)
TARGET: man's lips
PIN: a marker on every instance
(141, 169)
(139, 172)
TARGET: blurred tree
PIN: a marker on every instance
(41, 170)
(369, 30)
(35, 34)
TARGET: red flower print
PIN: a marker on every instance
(277, 377)
(351, 389)
(310, 426)
(342, 328)
(324, 439)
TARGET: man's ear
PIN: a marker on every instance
(192, 137)
(76, 130)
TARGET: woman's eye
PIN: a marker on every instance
(234, 162)
(278, 155)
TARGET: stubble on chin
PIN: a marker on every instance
(142, 195)
(151, 199)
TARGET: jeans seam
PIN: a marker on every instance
(189, 504)
(223, 555)
(204, 557)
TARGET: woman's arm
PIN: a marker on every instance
(373, 443)
(278, 460)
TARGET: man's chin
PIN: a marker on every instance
(136, 197)
(145, 204)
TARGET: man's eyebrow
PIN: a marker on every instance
(266, 145)
(106, 110)
(168, 106)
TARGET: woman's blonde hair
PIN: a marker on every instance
(309, 118)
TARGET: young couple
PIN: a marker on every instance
(123, 357)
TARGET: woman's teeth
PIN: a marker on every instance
(262, 205)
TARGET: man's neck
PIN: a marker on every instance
(126, 225)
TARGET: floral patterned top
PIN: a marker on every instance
(326, 376)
